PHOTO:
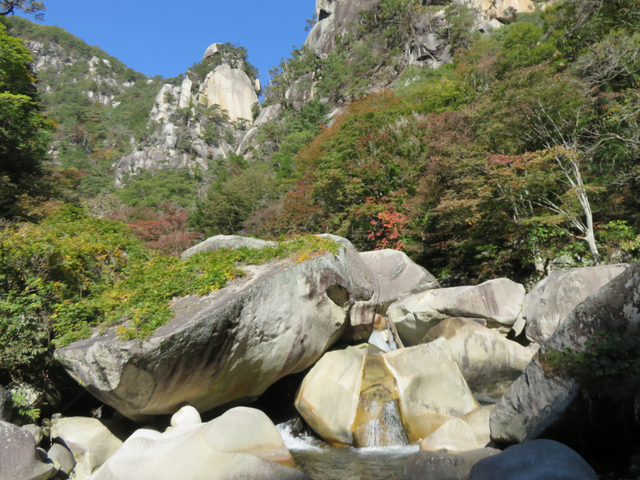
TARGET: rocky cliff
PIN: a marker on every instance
(199, 119)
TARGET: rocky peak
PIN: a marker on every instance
(198, 119)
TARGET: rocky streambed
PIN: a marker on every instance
(396, 378)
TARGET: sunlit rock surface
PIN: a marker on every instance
(229, 345)
(364, 397)
(242, 443)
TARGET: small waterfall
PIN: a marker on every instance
(378, 418)
(387, 430)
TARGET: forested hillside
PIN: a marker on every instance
(480, 147)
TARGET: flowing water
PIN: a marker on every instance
(322, 462)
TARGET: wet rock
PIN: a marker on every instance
(552, 299)
(539, 459)
(365, 397)
(239, 444)
(231, 344)
(18, 458)
(426, 465)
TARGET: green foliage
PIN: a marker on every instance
(31, 7)
(230, 201)
(523, 47)
(150, 189)
(24, 133)
(21, 401)
(72, 272)
(609, 365)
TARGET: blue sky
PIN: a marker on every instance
(162, 37)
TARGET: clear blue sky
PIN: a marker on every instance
(162, 37)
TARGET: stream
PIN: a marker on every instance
(323, 462)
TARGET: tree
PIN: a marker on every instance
(24, 133)
(32, 7)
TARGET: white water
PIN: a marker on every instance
(387, 430)
(296, 441)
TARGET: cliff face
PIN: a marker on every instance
(196, 121)
(230, 88)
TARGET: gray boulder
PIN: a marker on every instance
(90, 441)
(398, 276)
(62, 458)
(488, 361)
(552, 299)
(226, 241)
(6, 405)
(231, 344)
(34, 430)
(497, 301)
(536, 460)
(541, 402)
(426, 465)
(18, 458)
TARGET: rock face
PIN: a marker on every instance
(539, 459)
(540, 401)
(230, 345)
(398, 276)
(6, 405)
(488, 361)
(552, 299)
(503, 10)
(497, 301)
(177, 143)
(361, 397)
(230, 88)
(235, 445)
(334, 17)
(426, 465)
(225, 241)
(18, 459)
(88, 439)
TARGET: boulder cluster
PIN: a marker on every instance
(390, 359)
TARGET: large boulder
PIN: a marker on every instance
(552, 299)
(229, 345)
(362, 396)
(90, 441)
(536, 460)
(18, 458)
(425, 465)
(398, 276)
(461, 434)
(497, 301)
(545, 401)
(230, 242)
(489, 362)
(239, 444)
